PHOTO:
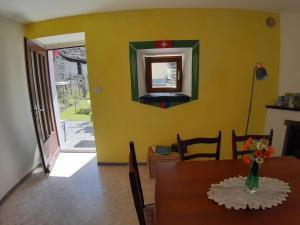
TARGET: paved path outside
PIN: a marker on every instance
(79, 136)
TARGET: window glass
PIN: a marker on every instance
(164, 74)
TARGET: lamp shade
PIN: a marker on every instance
(260, 72)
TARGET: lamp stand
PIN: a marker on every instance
(250, 104)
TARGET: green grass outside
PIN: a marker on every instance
(71, 115)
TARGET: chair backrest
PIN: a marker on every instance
(135, 165)
(135, 184)
(236, 139)
(183, 144)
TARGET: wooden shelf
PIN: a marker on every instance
(282, 108)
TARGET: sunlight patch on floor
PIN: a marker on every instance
(69, 163)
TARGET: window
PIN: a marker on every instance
(163, 74)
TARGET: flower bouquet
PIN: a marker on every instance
(260, 153)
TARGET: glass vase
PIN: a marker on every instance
(252, 181)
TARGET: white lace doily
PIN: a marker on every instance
(232, 193)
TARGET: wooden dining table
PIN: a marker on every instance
(181, 193)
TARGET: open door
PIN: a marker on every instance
(39, 88)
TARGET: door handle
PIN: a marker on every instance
(39, 110)
(178, 75)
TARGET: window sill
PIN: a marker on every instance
(164, 97)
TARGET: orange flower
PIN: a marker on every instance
(247, 144)
(267, 155)
(246, 159)
(245, 147)
(270, 149)
(258, 153)
(249, 141)
(269, 152)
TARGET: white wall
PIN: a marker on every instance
(289, 80)
(275, 120)
(18, 152)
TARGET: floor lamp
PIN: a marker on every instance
(260, 73)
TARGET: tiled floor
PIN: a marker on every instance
(87, 196)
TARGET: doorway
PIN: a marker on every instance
(59, 93)
(69, 75)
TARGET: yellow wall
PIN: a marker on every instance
(231, 42)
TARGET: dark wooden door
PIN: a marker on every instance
(39, 88)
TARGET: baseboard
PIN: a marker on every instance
(118, 164)
(21, 181)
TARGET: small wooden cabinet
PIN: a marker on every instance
(154, 158)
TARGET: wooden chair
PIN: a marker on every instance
(236, 139)
(144, 212)
(183, 144)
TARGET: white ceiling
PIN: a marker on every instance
(37, 10)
